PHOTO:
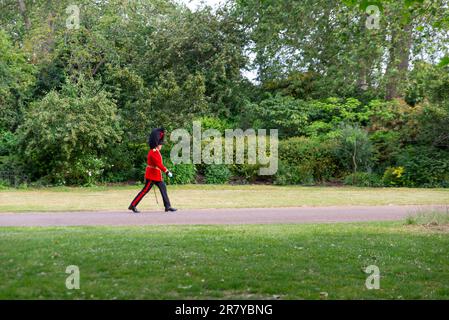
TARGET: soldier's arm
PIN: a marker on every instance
(159, 163)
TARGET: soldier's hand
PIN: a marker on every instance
(169, 174)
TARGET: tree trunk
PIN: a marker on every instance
(23, 12)
(362, 74)
(401, 43)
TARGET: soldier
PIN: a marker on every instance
(153, 172)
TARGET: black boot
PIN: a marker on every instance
(170, 209)
(133, 209)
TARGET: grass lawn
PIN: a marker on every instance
(210, 196)
(270, 261)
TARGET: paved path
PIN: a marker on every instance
(212, 216)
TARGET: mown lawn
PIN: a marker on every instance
(270, 261)
(211, 196)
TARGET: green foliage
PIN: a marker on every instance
(200, 44)
(427, 81)
(279, 112)
(65, 133)
(77, 105)
(219, 124)
(174, 104)
(386, 146)
(8, 142)
(133, 102)
(294, 117)
(297, 85)
(430, 125)
(86, 171)
(182, 173)
(363, 179)
(355, 150)
(306, 160)
(217, 174)
(246, 173)
(394, 177)
(424, 166)
(324, 116)
(294, 174)
(16, 79)
(4, 184)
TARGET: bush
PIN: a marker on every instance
(217, 174)
(245, 172)
(182, 174)
(64, 134)
(306, 160)
(85, 171)
(355, 150)
(386, 146)
(424, 166)
(4, 184)
(214, 123)
(284, 113)
(8, 142)
(394, 177)
(294, 174)
(125, 162)
(363, 179)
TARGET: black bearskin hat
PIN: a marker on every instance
(156, 137)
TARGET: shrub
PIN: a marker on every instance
(394, 176)
(4, 184)
(386, 146)
(425, 166)
(294, 174)
(355, 149)
(85, 171)
(306, 160)
(217, 174)
(64, 133)
(8, 142)
(246, 172)
(214, 123)
(363, 179)
(183, 174)
(284, 113)
(431, 125)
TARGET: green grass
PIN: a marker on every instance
(269, 261)
(210, 196)
(432, 217)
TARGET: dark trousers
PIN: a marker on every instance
(147, 188)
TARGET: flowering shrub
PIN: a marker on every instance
(394, 176)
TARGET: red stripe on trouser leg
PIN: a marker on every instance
(141, 194)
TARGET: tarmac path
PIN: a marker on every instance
(330, 214)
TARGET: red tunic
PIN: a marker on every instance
(155, 167)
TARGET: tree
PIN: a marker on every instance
(329, 38)
(16, 80)
(65, 134)
(188, 44)
(355, 151)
